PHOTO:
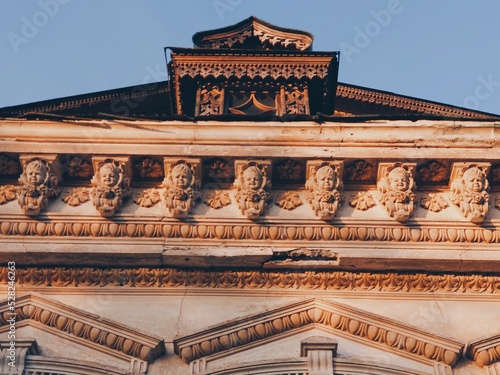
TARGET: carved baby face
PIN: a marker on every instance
(109, 175)
(473, 180)
(252, 178)
(399, 179)
(181, 176)
(326, 178)
(36, 173)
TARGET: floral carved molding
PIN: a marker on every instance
(86, 328)
(263, 70)
(307, 280)
(208, 230)
(485, 352)
(387, 335)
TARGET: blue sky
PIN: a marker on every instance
(447, 50)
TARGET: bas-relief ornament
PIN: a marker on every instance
(252, 185)
(288, 200)
(39, 182)
(294, 100)
(218, 171)
(396, 190)
(76, 196)
(181, 182)
(78, 166)
(218, 199)
(110, 185)
(208, 230)
(432, 171)
(209, 101)
(324, 188)
(7, 193)
(149, 167)
(360, 171)
(362, 201)
(289, 169)
(434, 202)
(255, 279)
(469, 190)
(147, 198)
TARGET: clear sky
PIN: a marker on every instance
(442, 50)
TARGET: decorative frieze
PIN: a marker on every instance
(39, 182)
(252, 186)
(148, 167)
(242, 230)
(147, 277)
(262, 70)
(396, 187)
(181, 184)
(76, 196)
(288, 200)
(147, 198)
(218, 199)
(469, 190)
(218, 171)
(324, 187)
(434, 202)
(77, 166)
(360, 171)
(7, 193)
(432, 172)
(362, 201)
(110, 184)
(289, 170)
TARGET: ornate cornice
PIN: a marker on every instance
(262, 69)
(253, 29)
(363, 94)
(485, 351)
(88, 329)
(309, 280)
(242, 230)
(344, 321)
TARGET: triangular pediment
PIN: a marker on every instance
(485, 351)
(340, 320)
(66, 331)
(253, 33)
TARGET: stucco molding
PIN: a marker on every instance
(84, 328)
(199, 229)
(145, 277)
(485, 351)
(338, 319)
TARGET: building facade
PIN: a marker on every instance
(251, 215)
